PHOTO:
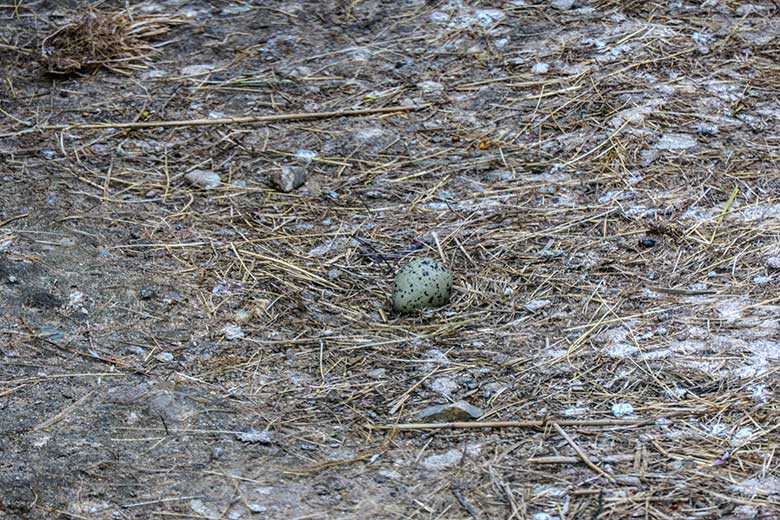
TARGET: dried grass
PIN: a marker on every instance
(117, 41)
(545, 229)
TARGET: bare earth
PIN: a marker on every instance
(601, 178)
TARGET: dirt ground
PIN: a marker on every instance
(601, 177)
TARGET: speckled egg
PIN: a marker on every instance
(421, 283)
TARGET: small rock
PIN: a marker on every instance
(377, 373)
(444, 386)
(563, 5)
(288, 178)
(232, 332)
(257, 508)
(537, 305)
(50, 333)
(460, 411)
(675, 142)
(431, 88)
(165, 357)
(773, 262)
(450, 458)
(204, 179)
(696, 332)
(761, 279)
(193, 70)
(540, 68)
(217, 453)
(306, 156)
(200, 508)
(443, 461)
(255, 436)
(388, 474)
(544, 516)
(243, 315)
(75, 299)
(146, 293)
(622, 409)
(748, 9)
(707, 130)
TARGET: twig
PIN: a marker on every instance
(300, 116)
(609, 459)
(463, 501)
(57, 418)
(508, 424)
(582, 454)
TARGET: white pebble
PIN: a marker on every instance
(540, 68)
(563, 5)
(232, 332)
(622, 409)
(675, 142)
(165, 357)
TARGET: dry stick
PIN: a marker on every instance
(57, 418)
(582, 454)
(9, 220)
(559, 459)
(509, 424)
(300, 116)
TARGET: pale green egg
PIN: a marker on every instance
(421, 283)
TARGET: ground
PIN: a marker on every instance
(599, 176)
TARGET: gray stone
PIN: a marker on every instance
(444, 386)
(537, 305)
(288, 178)
(459, 411)
(563, 5)
(165, 357)
(202, 509)
(443, 461)
(204, 179)
(450, 458)
(675, 142)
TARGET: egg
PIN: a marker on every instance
(421, 283)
